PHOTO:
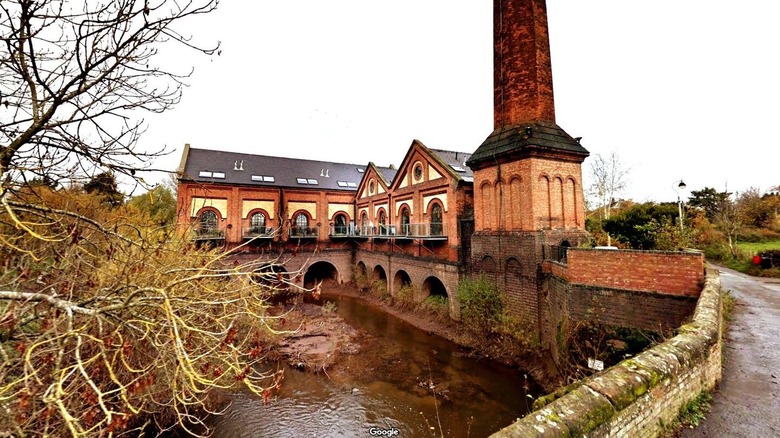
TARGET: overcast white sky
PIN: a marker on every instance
(679, 89)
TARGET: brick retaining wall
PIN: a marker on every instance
(642, 395)
(678, 273)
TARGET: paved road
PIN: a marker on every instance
(747, 403)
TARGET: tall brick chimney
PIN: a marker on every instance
(522, 73)
(524, 107)
(527, 150)
(527, 173)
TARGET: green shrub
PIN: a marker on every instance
(404, 297)
(379, 289)
(481, 307)
(363, 282)
(437, 305)
(718, 252)
(755, 235)
(520, 331)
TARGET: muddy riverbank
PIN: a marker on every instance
(538, 365)
(323, 338)
(387, 374)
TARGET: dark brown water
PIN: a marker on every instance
(403, 378)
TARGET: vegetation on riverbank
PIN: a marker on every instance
(507, 340)
(729, 228)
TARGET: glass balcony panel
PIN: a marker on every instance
(304, 232)
(261, 232)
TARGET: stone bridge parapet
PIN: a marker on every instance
(642, 395)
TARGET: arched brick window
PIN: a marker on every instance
(437, 227)
(208, 223)
(340, 224)
(257, 223)
(382, 222)
(300, 226)
(405, 220)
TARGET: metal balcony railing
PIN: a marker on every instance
(304, 232)
(423, 231)
(415, 231)
(208, 234)
(258, 232)
(383, 230)
(348, 230)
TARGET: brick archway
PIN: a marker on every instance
(401, 279)
(321, 271)
(433, 286)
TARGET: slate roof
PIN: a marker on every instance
(387, 173)
(544, 136)
(284, 171)
(457, 161)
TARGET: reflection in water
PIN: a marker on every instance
(390, 383)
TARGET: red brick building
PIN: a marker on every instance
(324, 219)
(414, 224)
(508, 210)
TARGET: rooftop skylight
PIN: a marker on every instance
(208, 174)
(263, 178)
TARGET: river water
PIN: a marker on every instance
(402, 379)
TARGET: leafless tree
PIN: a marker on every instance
(72, 74)
(108, 323)
(608, 180)
(730, 218)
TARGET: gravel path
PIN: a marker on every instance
(747, 403)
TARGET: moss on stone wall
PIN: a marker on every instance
(658, 381)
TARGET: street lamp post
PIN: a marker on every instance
(681, 186)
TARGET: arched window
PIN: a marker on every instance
(257, 223)
(364, 223)
(405, 220)
(382, 222)
(340, 224)
(437, 227)
(208, 223)
(301, 224)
